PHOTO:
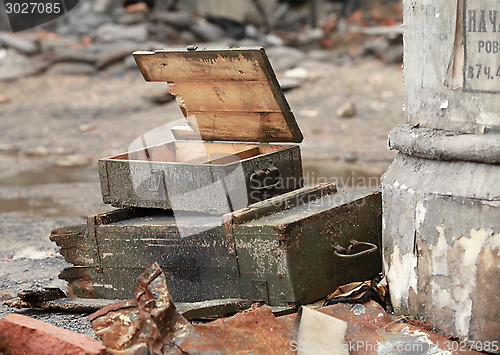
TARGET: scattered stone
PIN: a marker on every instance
(289, 83)
(393, 54)
(138, 6)
(132, 18)
(129, 63)
(72, 69)
(181, 20)
(186, 37)
(308, 112)
(51, 44)
(63, 151)
(87, 127)
(24, 335)
(114, 33)
(313, 35)
(116, 53)
(64, 54)
(159, 98)
(284, 58)
(34, 254)
(24, 45)
(320, 55)
(4, 99)
(115, 69)
(7, 294)
(347, 110)
(39, 151)
(73, 161)
(106, 38)
(297, 73)
(315, 66)
(206, 31)
(376, 47)
(14, 65)
(273, 40)
(85, 24)
(350, 158)
(8, 148)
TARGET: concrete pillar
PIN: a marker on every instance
(441, 195)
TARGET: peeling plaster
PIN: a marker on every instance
(420, 211)
(402, 276)
(439, 254)
(460, 291)
(472, 246)
(440, 296)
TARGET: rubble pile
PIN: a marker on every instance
(153, 324)
(86, 42)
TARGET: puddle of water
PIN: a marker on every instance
(40, 207)
(48, 174)
(343, 174)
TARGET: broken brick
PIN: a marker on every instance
(24, 335)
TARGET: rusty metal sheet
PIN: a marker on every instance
(371, 330)
(360, 292)
(152, 324)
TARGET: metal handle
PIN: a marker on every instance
(258, 178)
(349, 252)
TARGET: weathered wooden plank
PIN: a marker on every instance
(185, 151)
(199, 66)
(186, 285)
(79, 256)
(74, 244)
(223, 96)
(119, 215)
(226, 157)
(229, 80)
(278, 204)
(196, 187)
(242, 126)
(231, 158)
(140, 246)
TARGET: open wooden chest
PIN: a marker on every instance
(287, 250)
(225, 158)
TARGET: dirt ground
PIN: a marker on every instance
(53, 129)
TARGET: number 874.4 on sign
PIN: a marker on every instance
(479, 71)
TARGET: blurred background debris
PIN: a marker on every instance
(71, 93)
(103, 32)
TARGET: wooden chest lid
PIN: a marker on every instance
(225, 95)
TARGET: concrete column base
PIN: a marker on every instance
(441, 244)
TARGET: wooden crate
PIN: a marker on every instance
(233, 152)
(283, 251)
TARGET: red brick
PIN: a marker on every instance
(24, 335)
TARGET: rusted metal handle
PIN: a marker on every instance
(260, 176)
(348, 253)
